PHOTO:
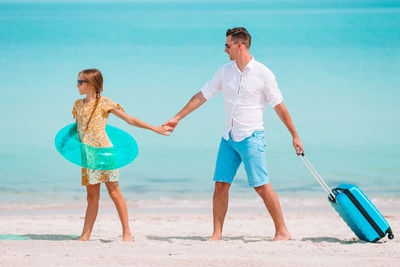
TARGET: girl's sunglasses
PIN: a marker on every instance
(82, 81)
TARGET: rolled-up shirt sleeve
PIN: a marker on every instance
(271, 91)
(212, 87)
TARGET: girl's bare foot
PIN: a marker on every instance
(215, 237)
(84, 238)
(127, 237)
(281, 236)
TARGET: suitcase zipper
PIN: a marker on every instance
(363, 212)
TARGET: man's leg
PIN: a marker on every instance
(228, 161)
(252, 151)
(271, 202)
(220, 207)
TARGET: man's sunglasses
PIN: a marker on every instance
(227, 46)
(82, 81)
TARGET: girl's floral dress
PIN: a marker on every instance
(95, 135)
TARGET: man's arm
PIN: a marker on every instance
(196, 101)
(283, 114)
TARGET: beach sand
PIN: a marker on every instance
(175, 233)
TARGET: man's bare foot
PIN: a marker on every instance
(281, 236)
(127, 237)
(215, 237)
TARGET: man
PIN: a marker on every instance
(247, 87)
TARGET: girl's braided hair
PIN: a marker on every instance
(94, 78)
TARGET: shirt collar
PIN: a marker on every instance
(249, 65)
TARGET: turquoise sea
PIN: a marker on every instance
(337, 64)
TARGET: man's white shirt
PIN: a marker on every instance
(246, 95)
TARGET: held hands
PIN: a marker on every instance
(171, 124)
(163, 130)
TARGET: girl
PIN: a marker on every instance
(91, 115)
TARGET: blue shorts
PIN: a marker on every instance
(251, 151)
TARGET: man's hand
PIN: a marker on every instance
(283, 114)
(172, 123)
(297, 145)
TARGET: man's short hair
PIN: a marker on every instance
(240, 34)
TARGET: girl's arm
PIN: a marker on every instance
(141, 124)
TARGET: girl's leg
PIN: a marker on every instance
(120, 204)
(93, 196)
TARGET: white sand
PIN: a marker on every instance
(175, 234)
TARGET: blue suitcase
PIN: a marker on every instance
(355, 208)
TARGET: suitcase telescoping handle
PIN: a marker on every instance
(317, 177)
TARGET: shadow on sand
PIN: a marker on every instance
(332, 240)
(252, 239)
(245, 239)
(49, 237)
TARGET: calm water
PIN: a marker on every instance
(336, 62)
